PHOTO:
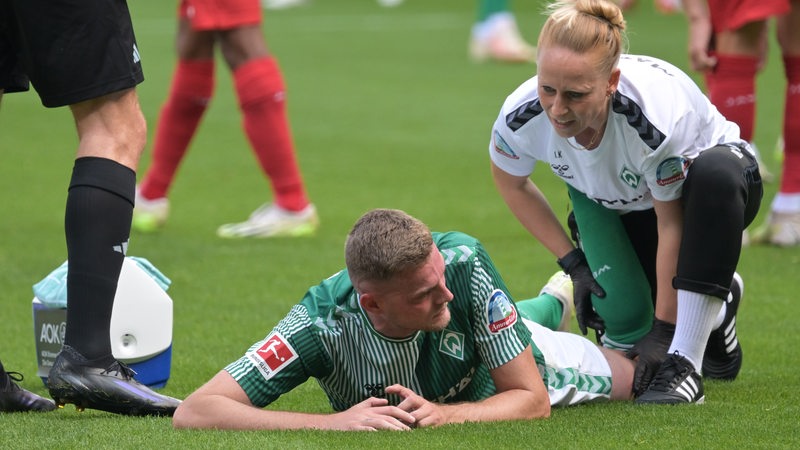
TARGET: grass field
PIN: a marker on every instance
(387, 111)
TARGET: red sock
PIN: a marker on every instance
(192, 87)
(732, 89)
(261, 92)
(790, 181)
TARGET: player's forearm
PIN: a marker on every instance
(219, 412)
(515, 404)
(696, 10)
(540, 220)
(530, 207)
(670, 231)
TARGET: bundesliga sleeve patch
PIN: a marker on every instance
(500, 312)
(671, 170)
(275, 354)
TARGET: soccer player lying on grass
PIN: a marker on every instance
(418, 331)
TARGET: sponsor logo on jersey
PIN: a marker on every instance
(273, 356)
(629, 177)
(455, 390)
(561, 170)
(452, 343)
(500, 312)
(671, 170)
(502, 147)
(375, 390)
(620, 201)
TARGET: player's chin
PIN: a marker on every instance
(440, 320)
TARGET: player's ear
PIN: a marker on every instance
(613, 80)
(368, 303)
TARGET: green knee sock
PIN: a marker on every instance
(545, 310)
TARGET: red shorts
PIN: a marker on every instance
(207, 15)
(733, 14)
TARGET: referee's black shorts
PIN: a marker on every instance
(69, 50)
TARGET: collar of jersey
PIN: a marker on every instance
(372, 329)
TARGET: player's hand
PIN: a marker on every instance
(649, 353)
(583, 286)
(700, 34)
(373, 414)
(426, 414)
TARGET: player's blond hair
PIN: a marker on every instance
(583, 26)
(385, 242)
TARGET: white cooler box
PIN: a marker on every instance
(141, 328)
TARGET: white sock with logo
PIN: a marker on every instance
(697, 316)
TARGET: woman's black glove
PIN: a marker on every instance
(651, 351)
(583, 286)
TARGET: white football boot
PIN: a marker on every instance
(270, 220)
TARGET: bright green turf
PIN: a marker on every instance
(386, 112)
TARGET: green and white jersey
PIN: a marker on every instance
(328, 337)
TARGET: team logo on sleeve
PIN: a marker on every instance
(671, 170)
(501, 313)
(502, 147)
(273, 355)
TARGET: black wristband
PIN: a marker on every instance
(572, 260)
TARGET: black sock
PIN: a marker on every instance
(97, 225)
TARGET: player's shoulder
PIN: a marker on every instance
(524, 93)
(649, 66)
(522, 105)
(647, 79)
(457, 247)
(654, 95)
(335, 293)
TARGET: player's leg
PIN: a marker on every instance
(96, 77)
(495, 35)
(259, 85)
(553, 307)
(189, 96)
(627, 309)
(111, 133)
(622, 369)
(14, 398)
(578, 371)
(740, 46)
(721, 196)
(783, 225)
(111, 130)
(731, 84)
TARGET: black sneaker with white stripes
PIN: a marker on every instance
(723, 357)
(675, 382)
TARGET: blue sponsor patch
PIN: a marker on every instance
(500, 312)
(671, 170)
(502, 147)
